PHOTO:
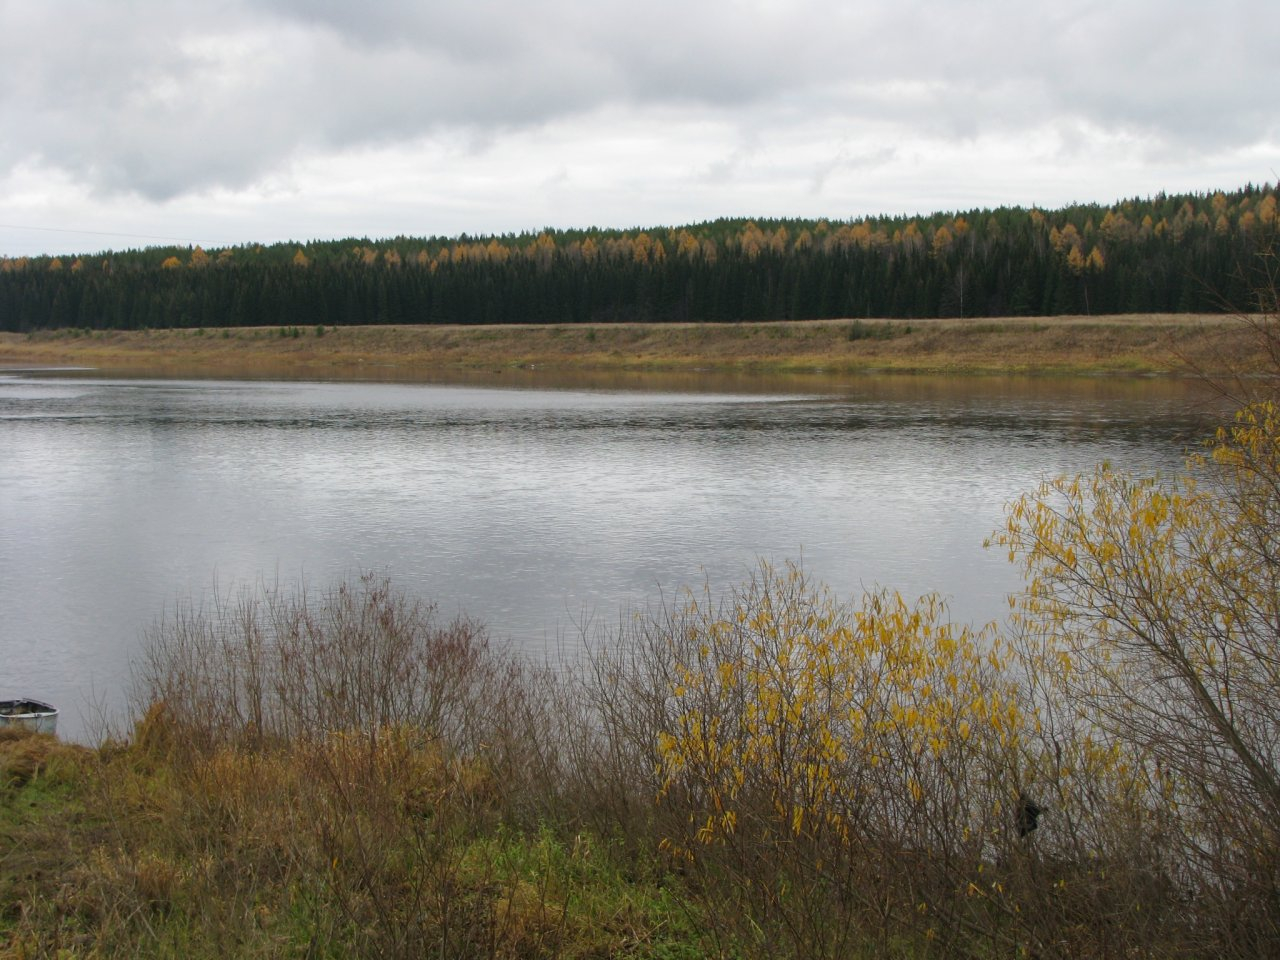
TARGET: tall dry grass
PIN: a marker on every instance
(769, 773)
(1117, 344)
(334, 768)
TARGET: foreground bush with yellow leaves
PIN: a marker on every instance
(772, 772)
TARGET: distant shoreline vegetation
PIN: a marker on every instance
(1136, 344)
(1185, 253)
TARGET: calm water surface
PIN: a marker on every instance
(534, 510)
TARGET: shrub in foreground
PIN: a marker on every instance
(830, 778)
(1151, 621)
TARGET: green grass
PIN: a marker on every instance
(126, 852)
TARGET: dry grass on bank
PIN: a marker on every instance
(1130, 344)
(775, 775)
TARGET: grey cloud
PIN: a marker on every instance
(864, 158)
(150, 99)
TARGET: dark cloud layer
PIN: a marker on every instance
(158, 100)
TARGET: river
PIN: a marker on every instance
(536, 510)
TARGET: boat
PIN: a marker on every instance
(33, 715)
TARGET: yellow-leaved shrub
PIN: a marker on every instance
(1150, 626)
(844, 769)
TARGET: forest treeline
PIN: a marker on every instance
(1168, 253)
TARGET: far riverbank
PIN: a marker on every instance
(1150, 344)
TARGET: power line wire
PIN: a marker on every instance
(96, 233)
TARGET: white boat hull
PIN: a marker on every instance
(33, 715)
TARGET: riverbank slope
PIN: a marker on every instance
(1136, 344)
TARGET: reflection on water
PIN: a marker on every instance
(533, 509)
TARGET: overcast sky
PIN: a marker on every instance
(134, 122)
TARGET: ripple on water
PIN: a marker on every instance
(533, 510)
